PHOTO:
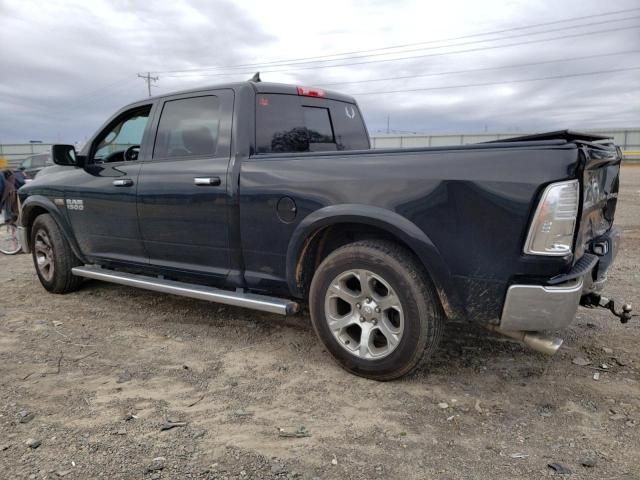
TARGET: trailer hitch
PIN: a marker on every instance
(593, 300)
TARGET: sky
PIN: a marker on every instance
(433, 67)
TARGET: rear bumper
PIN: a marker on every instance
(552, 306)
(537, 307)
(22, 239)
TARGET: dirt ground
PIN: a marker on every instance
(95, 374)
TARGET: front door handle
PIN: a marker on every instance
(207, 181)
(123, 182)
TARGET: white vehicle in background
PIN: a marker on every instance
(31, 165)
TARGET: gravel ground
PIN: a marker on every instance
(94, 375)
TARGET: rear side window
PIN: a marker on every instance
(188, 128)
(291, 123)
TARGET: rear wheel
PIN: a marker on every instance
(52, 256)
(375, 310)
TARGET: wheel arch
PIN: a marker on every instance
(337, 224)
(37, 205)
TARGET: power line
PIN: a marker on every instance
(90, 99)
(413, 44)
(148, 78)
(318, 58)
(125, 84)
(428, 55)
(120, 84)
(100, 90)
(460, 44)
(489, 40)
(484, 69)
(64, 113)
(501, 82)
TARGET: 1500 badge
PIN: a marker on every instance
(73, 204)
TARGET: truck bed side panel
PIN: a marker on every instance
(473, 204)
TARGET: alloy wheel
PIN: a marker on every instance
(364, 314)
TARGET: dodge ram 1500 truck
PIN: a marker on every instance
(268, 196)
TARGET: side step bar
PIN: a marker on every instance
(237, 299)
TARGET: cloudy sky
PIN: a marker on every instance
(454, 66)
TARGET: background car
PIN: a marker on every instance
(30, 166)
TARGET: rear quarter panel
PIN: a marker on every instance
(473, 205)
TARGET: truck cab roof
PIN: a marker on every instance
(258, 87)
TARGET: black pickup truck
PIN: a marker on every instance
(268, 196)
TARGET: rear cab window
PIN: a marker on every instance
(291, 123)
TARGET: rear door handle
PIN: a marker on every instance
(123, 182)
(207, 181)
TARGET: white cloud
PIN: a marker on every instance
(67, 65)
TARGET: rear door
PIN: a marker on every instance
(182, 190)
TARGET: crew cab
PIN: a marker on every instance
(268, 196)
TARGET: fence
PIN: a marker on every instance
(16, 152)
(627, 139)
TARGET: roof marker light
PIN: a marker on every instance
(310, 92)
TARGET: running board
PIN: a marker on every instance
(237, 299)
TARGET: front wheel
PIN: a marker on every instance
(52, 256)
(375, 310)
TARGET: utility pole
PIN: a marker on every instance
(388, 120)
(148, 78)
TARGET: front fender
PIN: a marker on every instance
(33, 205)
(389, 221)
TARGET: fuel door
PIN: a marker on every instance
(286, 209)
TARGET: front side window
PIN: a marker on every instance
(122, 142)
(188, 128)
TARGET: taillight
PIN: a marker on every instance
(310, 92)
(553, 225)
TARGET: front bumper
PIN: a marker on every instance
(554, 305)
(22, 239)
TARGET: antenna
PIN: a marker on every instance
(255, 78)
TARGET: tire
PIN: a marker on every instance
(411, 327)
(52, 256)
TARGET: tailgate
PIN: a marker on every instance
(600, 182)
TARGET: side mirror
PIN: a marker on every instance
(63, 155)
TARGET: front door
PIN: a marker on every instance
(101, 197)
(182, 191)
